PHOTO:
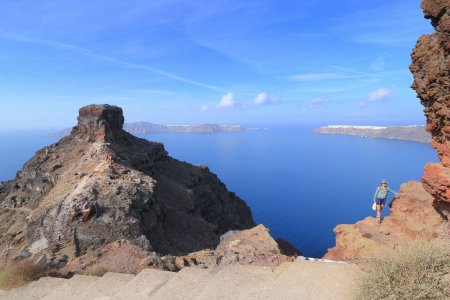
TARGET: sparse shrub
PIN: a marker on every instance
(19, 274)
(414, 271)
(367, 235)
(96, 270)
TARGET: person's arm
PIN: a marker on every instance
(376, 193)
(393, 199)
(393, 192)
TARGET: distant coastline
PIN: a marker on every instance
(415, 133)
(146, 128)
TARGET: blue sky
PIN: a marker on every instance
(232, 62)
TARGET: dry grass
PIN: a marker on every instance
(410, 272)
(95, 270)
(367, 235)
(19, 274)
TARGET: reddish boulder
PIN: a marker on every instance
(436, 181)
(253, 246)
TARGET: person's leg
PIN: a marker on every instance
(377, 202)
(382, 203)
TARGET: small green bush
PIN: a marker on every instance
(409, 272)
(19, 274)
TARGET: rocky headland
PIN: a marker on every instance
(102, 195)
(136, 128)
(423, 208)
(415, 133)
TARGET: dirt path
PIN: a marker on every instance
(294, 280)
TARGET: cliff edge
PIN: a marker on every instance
(101, 190)
(423, 209)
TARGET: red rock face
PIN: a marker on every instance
(422, 210)
(99, 122)
(413, 215)
(436, 181)
(430, 67)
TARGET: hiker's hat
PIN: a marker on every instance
(383, 181)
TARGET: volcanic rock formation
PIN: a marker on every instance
(431, 69)
(101, 188)
(422, 210)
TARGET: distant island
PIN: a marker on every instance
(416, 133)
(146, 128)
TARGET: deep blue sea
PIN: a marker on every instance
(298, 184)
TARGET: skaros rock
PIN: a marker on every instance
(101, 187)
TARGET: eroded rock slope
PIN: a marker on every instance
(101, 188)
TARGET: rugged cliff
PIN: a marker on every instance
(423, 209)
(431, 69)
(101, 189)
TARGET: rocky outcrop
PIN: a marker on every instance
(253, 246)
(101, 185)
(423, 209)
(431, 69)
(412, 217)
(415, 133)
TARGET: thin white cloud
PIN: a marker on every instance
(148, 91)
(315, 76)
(378, 64)
(204, 108)
(374, 75)
(227, 101)
(262, 99)
(383, 38)
(316, 102)
(92, 54)
(381, 94)
(347, 70)
(361, 104)
(344, 74)
(328, 90)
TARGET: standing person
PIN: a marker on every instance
(380, 197)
